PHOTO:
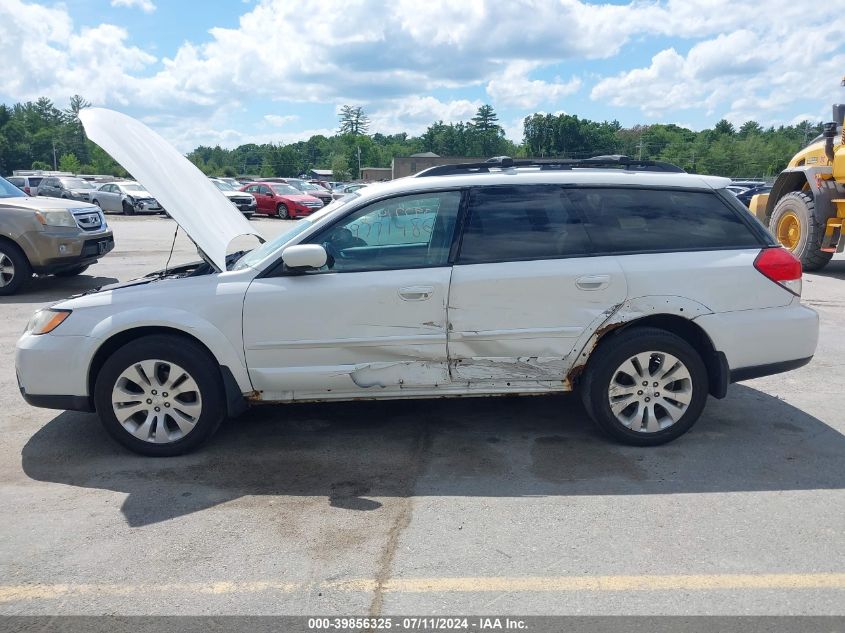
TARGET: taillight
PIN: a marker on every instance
(782, 267)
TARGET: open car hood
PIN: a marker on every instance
(190, 198)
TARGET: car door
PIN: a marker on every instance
(525, 287)
(105, 197)
(264, 199)
(47, 188)
(373, 320)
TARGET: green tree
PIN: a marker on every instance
(488, 131)
(353, 120)
(340, 168)
(69, 162)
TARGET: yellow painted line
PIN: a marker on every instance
(699, 582)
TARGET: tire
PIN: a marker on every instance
(282, 212)
(128, 209)
(667, 417)
(72, 272)
(805, 246)
(97, 202)
(200, 408)
(15, 269)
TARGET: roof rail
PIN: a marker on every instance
(506, 162)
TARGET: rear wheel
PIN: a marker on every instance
(794, 224)
(282, 212)
(160, 395)
(647, 387)
(14, 268)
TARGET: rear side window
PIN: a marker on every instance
(512, 223)
(642, 220)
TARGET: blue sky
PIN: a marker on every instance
(277, 70)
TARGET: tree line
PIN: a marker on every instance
(38, 135)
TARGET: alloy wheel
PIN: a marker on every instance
(7, 270)
(650, 391)
(156, 401)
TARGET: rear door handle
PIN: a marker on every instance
(593, 282)
(416, 293)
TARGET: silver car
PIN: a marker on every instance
(127, 197)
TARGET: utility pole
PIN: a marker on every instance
(359, 162)
(55, 166)
(640, 145)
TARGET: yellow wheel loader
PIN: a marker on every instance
(805, 209)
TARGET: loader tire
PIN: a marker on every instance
(795, 225)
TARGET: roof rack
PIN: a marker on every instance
(506, 162)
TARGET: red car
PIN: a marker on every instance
(282, 200)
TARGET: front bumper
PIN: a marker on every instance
(51, 251)
(35, 361)
(149, 205)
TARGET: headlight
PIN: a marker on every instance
(46, 320)
(59, 217)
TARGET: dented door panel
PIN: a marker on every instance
(520, 321)
(345, 333)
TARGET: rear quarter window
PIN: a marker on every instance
(629, 220)
(527, 222)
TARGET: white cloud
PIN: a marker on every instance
(415, 114)
(147, 6)
(279, 120)
(731, 59)
(96, 62)
(513, 87)
(741, 75)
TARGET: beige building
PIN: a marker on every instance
(410, 165)
(375, 174)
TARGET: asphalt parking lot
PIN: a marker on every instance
(504, 505)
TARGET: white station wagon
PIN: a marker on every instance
(643, 288)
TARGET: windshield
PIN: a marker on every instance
(76, 183)
(285, 190)
(223, 186)
(307, 186)
(8, 190)
(132, 187)
(256, 255)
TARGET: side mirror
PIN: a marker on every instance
(304, 256)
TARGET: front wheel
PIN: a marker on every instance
(794, 224)
(282, 212)
(645, 387)
(128, 209)
(14, 268)
(160, 395)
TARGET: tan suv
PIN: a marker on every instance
(47, 236)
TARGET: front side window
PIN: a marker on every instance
(528, 222)
(628, 220)
(413, 231)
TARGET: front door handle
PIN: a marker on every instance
(416, 293)
(593, 282)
